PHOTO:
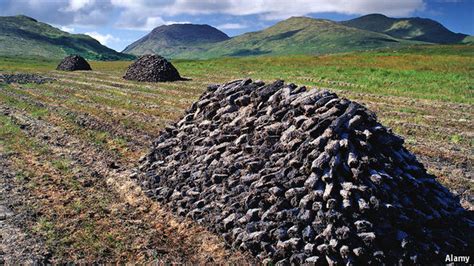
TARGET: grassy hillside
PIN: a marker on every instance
(420, 29)
(26, 37)
(458, 50)
(299, 35)
(468, 40)
(172, 40)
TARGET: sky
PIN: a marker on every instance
(117, 23)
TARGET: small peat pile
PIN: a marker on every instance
(294, 176)
(23, 78)
(73, 62)
(152, 68)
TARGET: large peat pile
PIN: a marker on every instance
(296, 175)
(73, 63)
(152, 68)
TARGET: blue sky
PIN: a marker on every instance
(117, 23)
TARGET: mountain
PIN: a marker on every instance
(172, 40)
(25, 36)
(419, 29)
(298, 35)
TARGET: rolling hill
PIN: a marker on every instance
(26, 37)
(419, 29)
(172, 40)
(296, 35)
(302, 35)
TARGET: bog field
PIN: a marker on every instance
(67, 147)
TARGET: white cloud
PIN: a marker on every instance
(153, 22)
(132, 20)
(66, 29)
(61, 12)
(147, 14)
(76, 5)
(271, 9)
(231, 26)
(103, 38)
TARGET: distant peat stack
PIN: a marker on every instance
(73, 63)
(152, 68)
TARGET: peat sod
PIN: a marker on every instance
(24, 78)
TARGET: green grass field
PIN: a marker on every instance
(444, 73)
(60, 136)
(436, 77)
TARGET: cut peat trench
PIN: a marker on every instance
(184, 241)
(137, 138)
(106, 103)
(128, 86)
(17, 246)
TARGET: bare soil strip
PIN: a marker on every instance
(17, 245)
(181, 241)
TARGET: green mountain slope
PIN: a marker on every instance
(468, 40)
(172, 40)
(24, 36)
(420, 29)
(299, 35)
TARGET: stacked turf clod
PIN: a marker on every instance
(152, 68)
(294, 175)
(73, 63)
(23, 78)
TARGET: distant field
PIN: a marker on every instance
(64, 141)
(433, 73)
(443, 73)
